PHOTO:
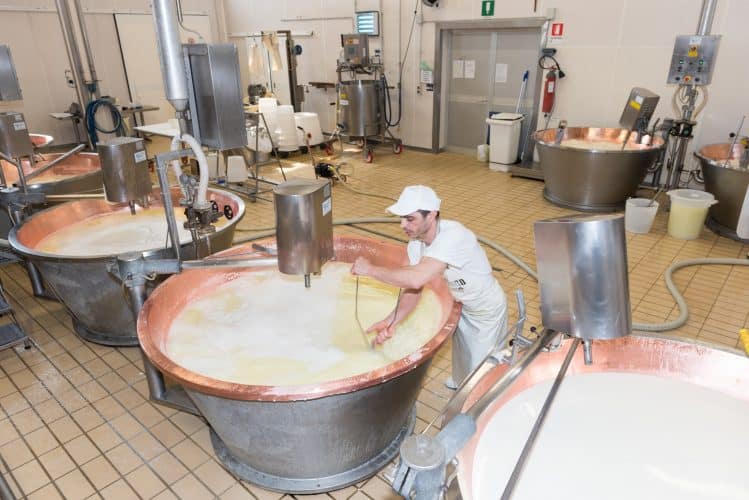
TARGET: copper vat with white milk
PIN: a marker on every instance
(80, 277)
(297, 438)
(674, 447)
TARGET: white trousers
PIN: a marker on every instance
(476, 335)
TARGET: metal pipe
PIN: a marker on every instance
(588, 352)
(228, 263)
(511, 374)
(512, 482)
(74, 57)
(54, 162)
(174, 397)
(170, 53)
(87, 49)
(706, 17)
(166, 198)
(21, 175)
(75, 196)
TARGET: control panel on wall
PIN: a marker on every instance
(693, 59)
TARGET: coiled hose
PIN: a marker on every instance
(94, 128)
(643, 327)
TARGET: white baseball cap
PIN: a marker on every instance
(415, 198)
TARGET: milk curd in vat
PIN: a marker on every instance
(618, 436)
(601, 145)
(116, 232)
(265, 328)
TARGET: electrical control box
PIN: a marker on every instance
(355, 49)
(14, 135)
(215, 95)
(10, 90)
(693, 60)
(639, 109)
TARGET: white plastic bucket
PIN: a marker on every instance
(688, 212)
(482, 152)
(504, 138)
(639, 215)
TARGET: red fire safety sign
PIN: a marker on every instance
(557, 29)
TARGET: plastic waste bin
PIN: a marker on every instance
(504, 139)
(688, 212)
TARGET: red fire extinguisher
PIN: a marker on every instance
(550, 85)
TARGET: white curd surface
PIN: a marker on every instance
(115, 233)
(265, 328)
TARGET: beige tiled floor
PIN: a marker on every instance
(75, 421)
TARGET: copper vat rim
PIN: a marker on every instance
(649, 354)
(236, 391)
(94, 169)
(98, 207)
(547, 136)
(709, 154)
(41, 140)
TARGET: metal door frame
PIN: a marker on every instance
(442, 33)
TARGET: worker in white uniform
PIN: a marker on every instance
(443, 247)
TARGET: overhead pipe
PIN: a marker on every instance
(74, 56)
(706, 17)
(170, 57)
(93, 79)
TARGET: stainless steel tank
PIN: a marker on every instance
(360, 107)
(719, 369)
(582, 275)
(593, 179)
(93, 297)
(727, 183)
(302, 438)
(78, 174)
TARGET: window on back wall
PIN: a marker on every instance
(368, 23)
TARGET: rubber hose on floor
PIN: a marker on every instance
(643, 327)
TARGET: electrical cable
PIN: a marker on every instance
(402, 62)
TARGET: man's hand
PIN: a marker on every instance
(384, 330)
(361, 267)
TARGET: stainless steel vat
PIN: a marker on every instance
(93, 297)
(360, 107)
(78, 174)
(593, 179)
(719, 369)
(728, 185)
(300, 439)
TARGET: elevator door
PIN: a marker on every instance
(485, 74)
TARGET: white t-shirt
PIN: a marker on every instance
(469, 273)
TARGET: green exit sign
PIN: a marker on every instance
(487, 8)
